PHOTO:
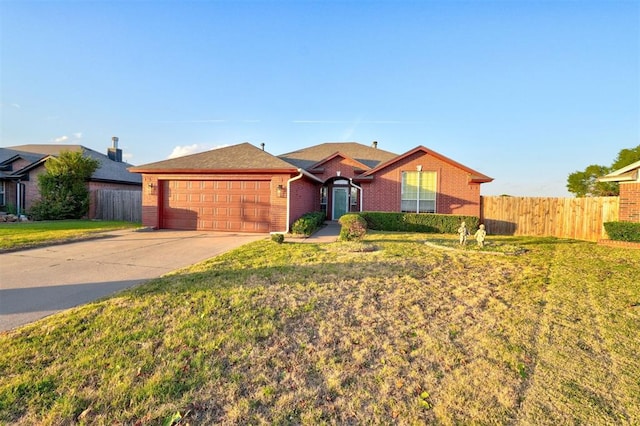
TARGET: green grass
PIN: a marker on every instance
(300, 333)
(22, 235)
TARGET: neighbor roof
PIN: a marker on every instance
(307, 157)
(244, 156)
(108, 171)
(625, 174)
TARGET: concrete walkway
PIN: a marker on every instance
(329, 233)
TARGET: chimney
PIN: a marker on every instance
(114, 153)
(375, 144)
(262, 145)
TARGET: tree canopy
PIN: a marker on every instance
(585, 184)
(63, 187)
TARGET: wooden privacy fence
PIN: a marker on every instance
(115, 204)
(576, 218)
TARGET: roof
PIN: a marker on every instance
(474, 176)
(36, 154)
(308, 157)
(244, 156)
(628, 173)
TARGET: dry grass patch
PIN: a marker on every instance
(313, 334)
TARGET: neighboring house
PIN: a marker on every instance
(20, 166)
(629, 179)
(243, 188)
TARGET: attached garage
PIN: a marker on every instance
(239, 188)
(216, 205)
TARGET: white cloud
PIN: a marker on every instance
(181, 151)
(77, 135)
(61, 139)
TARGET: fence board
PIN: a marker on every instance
(576, 218)
(115, 204)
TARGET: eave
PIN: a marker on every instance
(210, 171)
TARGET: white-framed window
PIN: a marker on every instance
(418, 192)
(323, 199)
(2, 192)
(354, 196)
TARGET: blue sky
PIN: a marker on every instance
(526, 92)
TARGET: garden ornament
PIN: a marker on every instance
(480, 234)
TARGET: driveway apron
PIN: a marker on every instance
(38, 282)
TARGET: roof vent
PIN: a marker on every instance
(114, 153)
(262, 145)
(375, 144)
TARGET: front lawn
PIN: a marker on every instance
(20, 235)
(299, 333)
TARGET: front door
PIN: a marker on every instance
(340, 202)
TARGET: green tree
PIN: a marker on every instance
(585, 183)
(63, 187)
(626, 157)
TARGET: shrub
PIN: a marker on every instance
(354, 227)
(278, 238)
(419, 222)
(63, 187)
(308, 223)
(623, 231)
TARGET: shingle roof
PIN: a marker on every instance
(307, 157)
(243, 156)
(108, 171)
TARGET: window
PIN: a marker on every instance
(418, 192)
(323, 199)
(354, 196)
(2, 201)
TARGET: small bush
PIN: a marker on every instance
(419, 222)
(354, 227)
(277, 238)
(623, 231)
(308, 223)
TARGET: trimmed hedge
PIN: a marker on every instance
(419, 222)
(623, 231)
(354, 227)
(308, 223)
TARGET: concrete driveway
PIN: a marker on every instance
(39, 282)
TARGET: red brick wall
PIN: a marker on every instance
(31, 191)
(344, 166)
(629, 201)
(305, 198)
(150, 201)
(455, 194)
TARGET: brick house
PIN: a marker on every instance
(244, 188)
(629, 179)
(20, 166)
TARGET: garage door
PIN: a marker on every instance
(237, 205)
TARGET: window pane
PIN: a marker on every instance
(418, 187)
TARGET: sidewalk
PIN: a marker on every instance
(327, 234)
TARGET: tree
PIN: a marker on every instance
(63, 187)
(585, 183)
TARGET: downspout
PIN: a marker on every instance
(360, 191)
(18, 198)
(289, 198)
(300, 176)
